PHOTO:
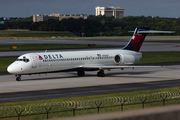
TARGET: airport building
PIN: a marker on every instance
(117, 12)
(55, 16)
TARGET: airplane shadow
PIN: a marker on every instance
(47, 78)
(74, 75)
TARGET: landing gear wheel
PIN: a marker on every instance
(80, 73)
(18, 77)
(101, 73)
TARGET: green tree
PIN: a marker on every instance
(177, 29)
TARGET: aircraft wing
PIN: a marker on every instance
(114, 67)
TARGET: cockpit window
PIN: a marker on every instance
(24, 59)
(19, 60)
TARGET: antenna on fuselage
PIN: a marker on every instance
(46, 50)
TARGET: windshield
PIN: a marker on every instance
(24, 59)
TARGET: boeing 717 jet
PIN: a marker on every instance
(81, 61)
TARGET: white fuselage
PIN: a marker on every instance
(44, 62)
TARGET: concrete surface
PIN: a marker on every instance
(70, 79)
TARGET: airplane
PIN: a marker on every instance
(81, 61)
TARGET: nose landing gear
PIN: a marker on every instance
(18, 77)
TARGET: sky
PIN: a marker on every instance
(26, 8)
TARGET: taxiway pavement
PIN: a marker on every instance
(67, 84)
(70, 79)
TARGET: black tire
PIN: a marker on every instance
(18, 79)
(80, 73)
(98, 74)
(101, 73)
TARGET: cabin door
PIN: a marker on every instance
(34, 61)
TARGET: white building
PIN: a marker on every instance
(117, 12)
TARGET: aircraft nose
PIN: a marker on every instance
(10, 69)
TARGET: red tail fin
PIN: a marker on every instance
(137, 40)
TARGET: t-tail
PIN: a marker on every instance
(137, 40)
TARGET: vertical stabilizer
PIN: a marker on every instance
(137, 40)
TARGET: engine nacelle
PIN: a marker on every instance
(117, 59)
(125, 59)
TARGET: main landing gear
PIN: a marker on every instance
(18, 77)
(80, 73)
(100, 73)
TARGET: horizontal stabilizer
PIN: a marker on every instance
(154, 31)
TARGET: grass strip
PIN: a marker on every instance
(6, 33)
(47, 46)
(5, 62)
(165, 57)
